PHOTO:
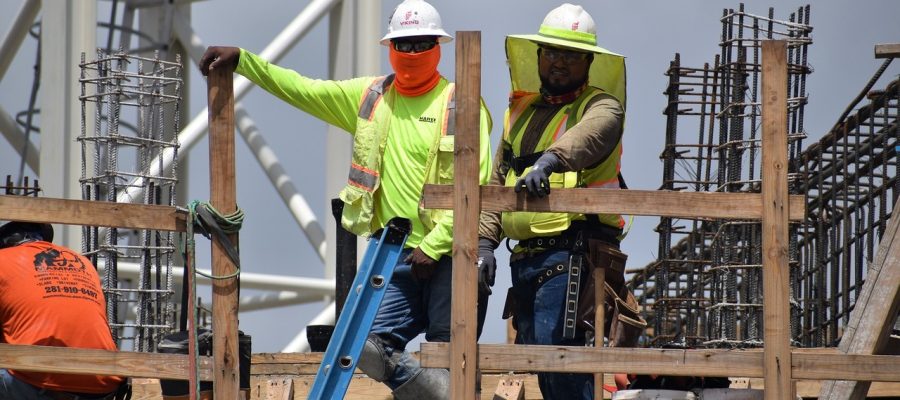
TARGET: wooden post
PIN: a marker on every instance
(467, 207)
(222, 194)
(776, 310)
(599, 276)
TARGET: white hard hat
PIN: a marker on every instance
(569, 26)
(415, 18)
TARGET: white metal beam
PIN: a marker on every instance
(282, 182)
(16, 34)
(68, 29)
(249, 280)
(277, 299)
(16, 139)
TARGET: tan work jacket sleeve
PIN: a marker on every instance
(593, 138)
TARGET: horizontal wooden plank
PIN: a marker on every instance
(887, 50)
(630, 202)
(100, 362)
(810, 389)
(363, 388)
(286, 369)
(845, 367)
(287, 358)
(286, 364)
(92, 213)
(807, 363)
(534, 358)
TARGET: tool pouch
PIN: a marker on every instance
(623, 324)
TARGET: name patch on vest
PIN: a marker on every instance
(429, 120)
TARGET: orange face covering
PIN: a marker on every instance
(416, 73)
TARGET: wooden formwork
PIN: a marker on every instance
(778, 364)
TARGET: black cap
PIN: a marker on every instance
(46, 230)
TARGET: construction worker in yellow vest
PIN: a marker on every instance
(562, 129)
(402, 126)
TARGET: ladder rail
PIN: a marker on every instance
(355, 322)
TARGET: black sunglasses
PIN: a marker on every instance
(568, 57)
(417, 46)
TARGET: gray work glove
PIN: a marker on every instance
(537, 181)
(487, 265)
(219, 57)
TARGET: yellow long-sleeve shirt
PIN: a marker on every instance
(410, 137)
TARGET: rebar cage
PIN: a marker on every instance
(116, 154)
(705, 289)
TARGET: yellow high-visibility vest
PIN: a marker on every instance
(521, 225)
(372, 126)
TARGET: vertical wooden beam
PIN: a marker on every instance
(466, 209)
(223, 197)
(872, 319)
(776, 311)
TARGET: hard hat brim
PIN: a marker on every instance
(563, 43)
(443, 37)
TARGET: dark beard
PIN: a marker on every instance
(550, 89)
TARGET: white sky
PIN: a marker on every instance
(648, 32)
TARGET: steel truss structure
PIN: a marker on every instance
(132, 131)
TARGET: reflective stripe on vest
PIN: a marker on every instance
(561, 127)
(519, 104)
(373, 95)
(449, 128)
(362, 177)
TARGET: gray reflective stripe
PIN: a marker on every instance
(375, 91)
(451, 117)
(362, 179)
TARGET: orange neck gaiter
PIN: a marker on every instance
(417, 73)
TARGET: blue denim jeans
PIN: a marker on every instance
(411, 307)
(539, 320)
(14, 389)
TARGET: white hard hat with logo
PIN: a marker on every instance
(567, 26)
(415, 18)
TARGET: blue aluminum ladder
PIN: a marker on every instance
(355, 321)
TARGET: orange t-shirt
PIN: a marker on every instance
(51, 296)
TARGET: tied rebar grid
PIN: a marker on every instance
(850, 177)
(115, 89)
(706, 288)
